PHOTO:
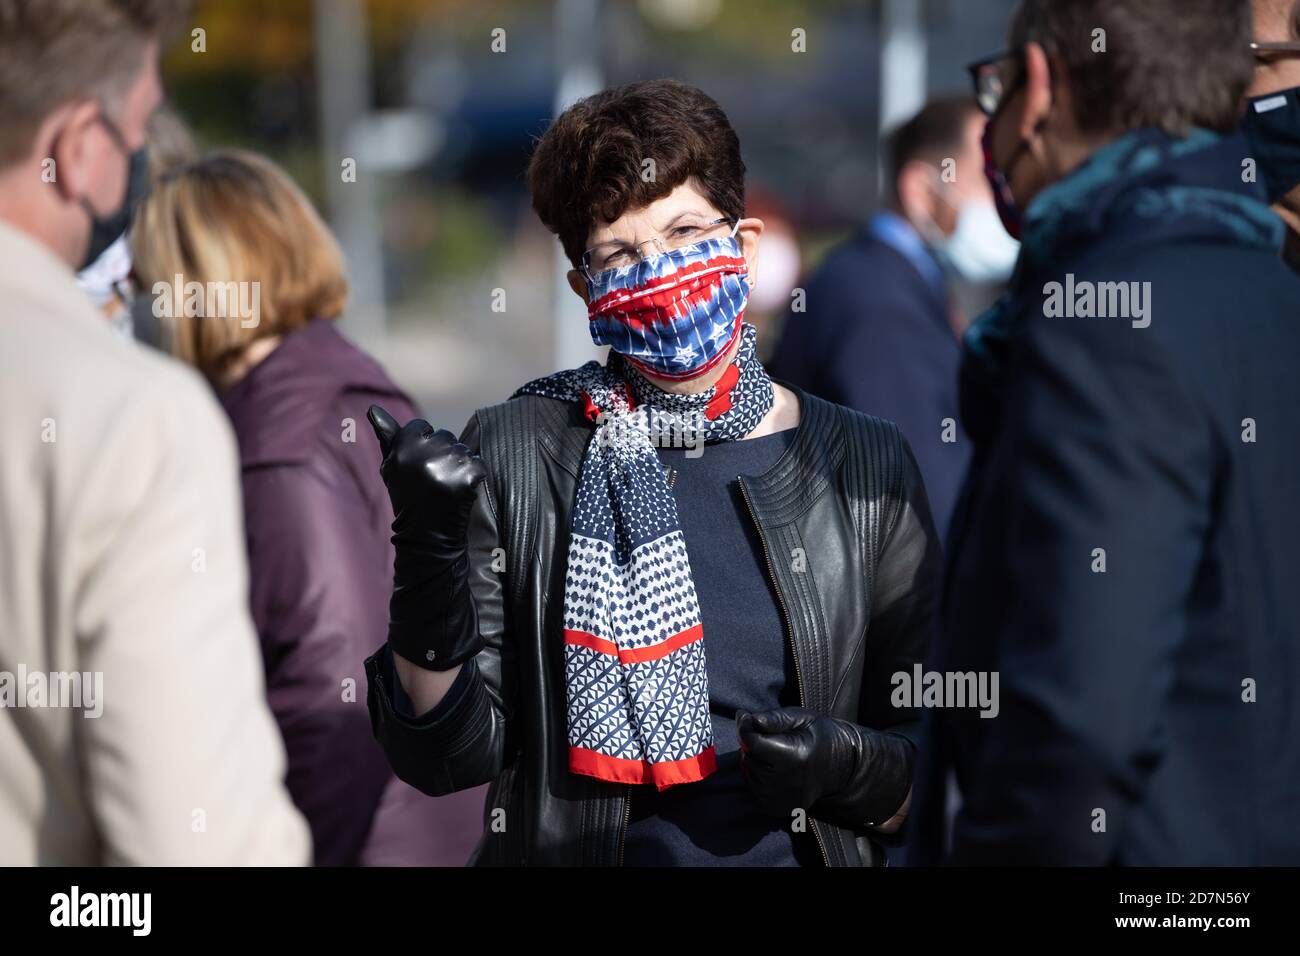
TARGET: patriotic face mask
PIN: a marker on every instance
(673, 315)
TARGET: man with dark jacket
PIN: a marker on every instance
(877, 329)
(1123, 556)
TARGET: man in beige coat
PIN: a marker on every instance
(133, 728)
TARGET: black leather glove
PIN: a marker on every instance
(792, 757)
(432, 481)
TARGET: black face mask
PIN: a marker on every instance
(106, 230)
(1272, 125)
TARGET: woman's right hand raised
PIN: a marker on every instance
(431, 477)
(432, 481)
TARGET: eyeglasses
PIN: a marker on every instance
(1266, 51)
(612, 256)
(989, 77)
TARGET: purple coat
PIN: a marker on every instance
(321, 573)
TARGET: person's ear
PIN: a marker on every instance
(747, 235)
(67, 142)
(917, 193)
(578, 283)
(1038, 91)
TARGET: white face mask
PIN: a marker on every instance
(979, 250)
(100, 279)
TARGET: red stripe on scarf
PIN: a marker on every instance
(591, 411)
(720, 403)
(663, 775)
(639, 655)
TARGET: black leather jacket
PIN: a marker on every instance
(854, 559)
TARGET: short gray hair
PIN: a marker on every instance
(54, 52)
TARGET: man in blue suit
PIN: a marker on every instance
(877, 329)
(1123, 556)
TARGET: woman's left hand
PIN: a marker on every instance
(794, 758)
(791, 756)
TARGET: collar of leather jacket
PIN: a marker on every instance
(852, 556)
(801, 475)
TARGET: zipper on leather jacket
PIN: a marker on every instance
(789, 630)
(627, 816)
(506, 785)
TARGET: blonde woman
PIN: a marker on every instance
(248, 282)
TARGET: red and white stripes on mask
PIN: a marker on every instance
(673, 315)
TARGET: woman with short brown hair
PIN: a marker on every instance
(549, 629)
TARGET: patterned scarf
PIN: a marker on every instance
(635, 677)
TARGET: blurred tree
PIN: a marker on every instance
(277, 34)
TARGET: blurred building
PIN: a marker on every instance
(438, 102)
